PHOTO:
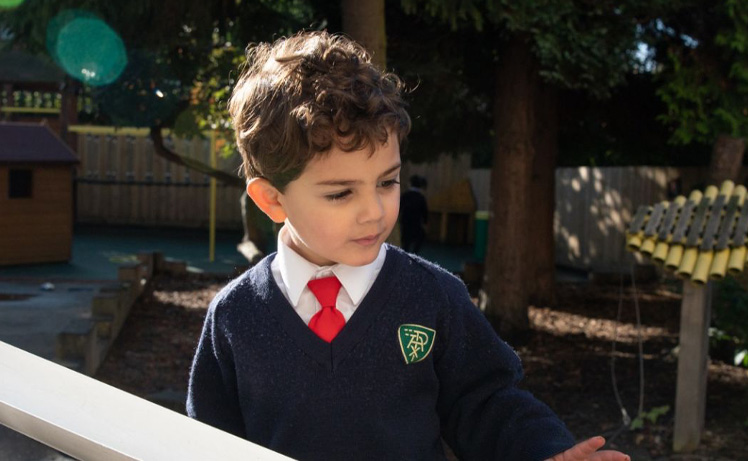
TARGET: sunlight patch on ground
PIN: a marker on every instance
(562, 323)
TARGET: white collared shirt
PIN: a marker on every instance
(292, 273)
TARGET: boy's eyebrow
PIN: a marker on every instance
(350, 182)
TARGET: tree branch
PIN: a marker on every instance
(196, 165)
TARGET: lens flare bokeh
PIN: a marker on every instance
(148, 92)
(9, 4)
(86, 47)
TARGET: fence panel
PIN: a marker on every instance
(122, 181)
(595, 204)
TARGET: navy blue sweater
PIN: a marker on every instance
(259, 372)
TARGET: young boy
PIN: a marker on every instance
(339, 346)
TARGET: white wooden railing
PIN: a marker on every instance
(89, 420)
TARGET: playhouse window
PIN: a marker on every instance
(19, 183)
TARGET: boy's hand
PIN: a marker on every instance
(587, 451)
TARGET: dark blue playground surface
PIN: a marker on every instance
(99, 250)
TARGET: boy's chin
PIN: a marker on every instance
(366, 259)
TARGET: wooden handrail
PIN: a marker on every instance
(90, 420)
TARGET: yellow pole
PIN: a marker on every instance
(212, 225)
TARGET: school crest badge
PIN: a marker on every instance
(416, 342)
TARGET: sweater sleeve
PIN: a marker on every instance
(212, 395)
(483, 413)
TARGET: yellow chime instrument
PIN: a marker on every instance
(698, 238)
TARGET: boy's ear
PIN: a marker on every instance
(265, 196)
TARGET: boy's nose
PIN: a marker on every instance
(372, 208)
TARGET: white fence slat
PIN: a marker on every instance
(90, 420)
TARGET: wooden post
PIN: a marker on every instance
(690, 394)
(443, 227)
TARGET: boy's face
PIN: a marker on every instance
(344, 205)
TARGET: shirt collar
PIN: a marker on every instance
(297, 272)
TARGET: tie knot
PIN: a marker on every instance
(325, 290)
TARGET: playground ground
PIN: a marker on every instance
(567, 363)
(567, 360)
(98, 250)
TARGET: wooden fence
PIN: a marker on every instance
(120, 180)
(595, 204)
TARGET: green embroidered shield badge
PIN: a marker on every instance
(416, 342)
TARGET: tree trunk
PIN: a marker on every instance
(542, 257)
(504, 294)
(727, 158)
(363, 21)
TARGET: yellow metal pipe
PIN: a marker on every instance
(736, 259)
(695, 196)
(740, 191)
(633, 241)
(726, 188)
(675, 253)
(736, 263)
(662, 248)
(674, 257)
(691, 254)
(687, 263)
(701, 268)
(719, 265)
(647, 247)
(660, 252)
(711, 192)
(718, 262)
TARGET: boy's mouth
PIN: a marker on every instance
(368, 240)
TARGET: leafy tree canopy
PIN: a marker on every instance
(700, 57)
(580, 44)
(182, 56)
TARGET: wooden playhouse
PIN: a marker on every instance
(36, 195)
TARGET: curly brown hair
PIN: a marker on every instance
(303, 95)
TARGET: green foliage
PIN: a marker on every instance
(580, 45)
(704, 69)
(650, 416)
(728, 336)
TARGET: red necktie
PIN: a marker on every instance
(328, 322)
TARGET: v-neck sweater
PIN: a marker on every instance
(260, 373)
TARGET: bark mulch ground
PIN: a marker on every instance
(567, 362)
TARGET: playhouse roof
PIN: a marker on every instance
(32, 143)
(20, 67)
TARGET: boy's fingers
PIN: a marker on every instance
(582, 450)
(586, 448)
(609, 455)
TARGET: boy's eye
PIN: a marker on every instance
(338, 195)
(389, 183)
